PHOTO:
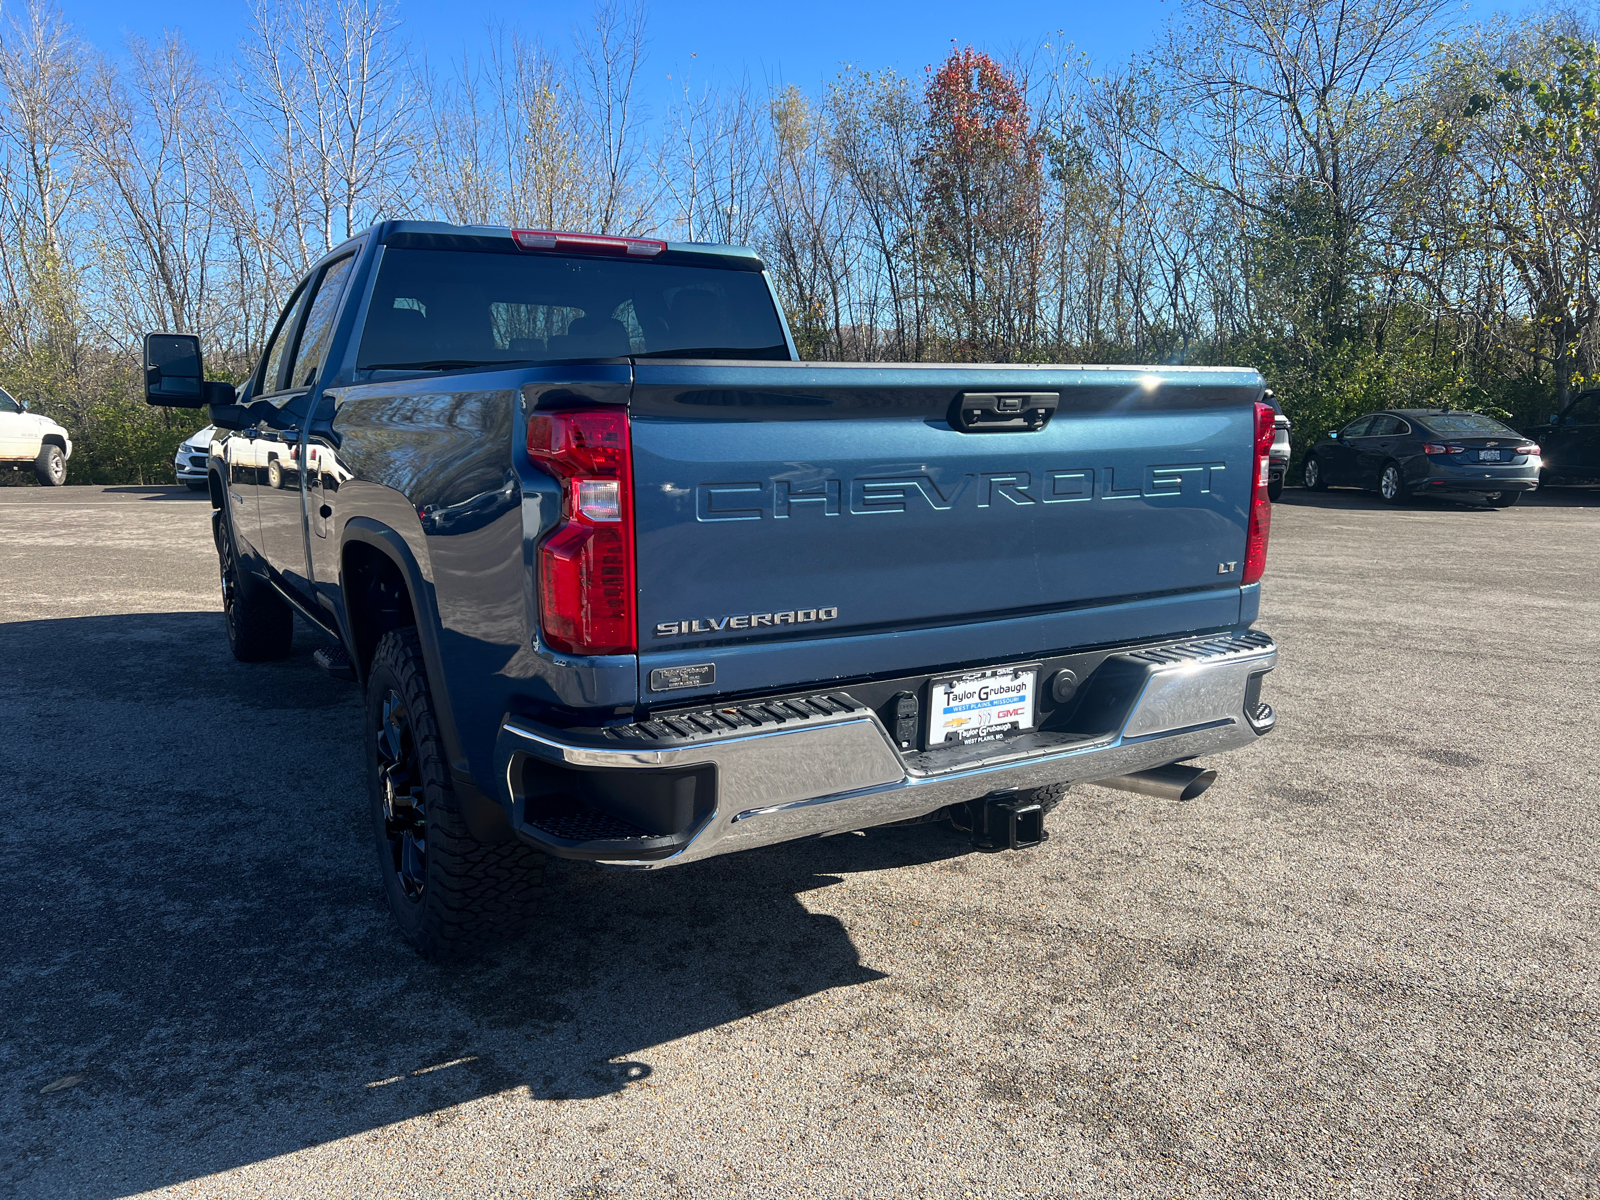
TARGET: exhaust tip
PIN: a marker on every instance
(1171, 782)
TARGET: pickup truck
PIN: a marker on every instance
(625, 581)
(28, 439)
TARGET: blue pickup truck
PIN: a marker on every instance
(624, 581)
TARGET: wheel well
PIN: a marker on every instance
(376, 599)
(54, 439)
(214, 483)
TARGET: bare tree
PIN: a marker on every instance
(606, 70)
(328, 101)
(148, 129)
(41, 181)
(712, 164)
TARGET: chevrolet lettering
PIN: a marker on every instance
(1001, 490)
(623, 580)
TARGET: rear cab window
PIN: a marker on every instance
(437, 309)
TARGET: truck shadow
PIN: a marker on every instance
(195, 930)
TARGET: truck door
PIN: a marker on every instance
(13, 441)
(252, 451)
(282, 492)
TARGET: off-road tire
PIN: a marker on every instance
(465, 895)
(1502, 499)
(260, 622)
(1316, 478)
(51, 466)
(1049, 796)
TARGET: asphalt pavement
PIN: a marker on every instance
(1362, 965)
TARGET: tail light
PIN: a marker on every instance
(1527, 450)
(1440, 448)
(586, 573)
(586, 243)
(1255, 550)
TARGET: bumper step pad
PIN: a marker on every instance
(699, 725)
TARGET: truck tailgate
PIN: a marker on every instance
(801, 522)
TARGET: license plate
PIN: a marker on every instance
(981, 706)
(1489, 455)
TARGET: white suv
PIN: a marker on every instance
(26, 437)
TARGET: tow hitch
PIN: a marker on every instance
(1006, 821)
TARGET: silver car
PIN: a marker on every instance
(189, 463)
(1278, 456)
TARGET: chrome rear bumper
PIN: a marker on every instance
(825, 772)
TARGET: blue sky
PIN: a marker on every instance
(717, 39)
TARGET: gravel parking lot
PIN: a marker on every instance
(1364, 964)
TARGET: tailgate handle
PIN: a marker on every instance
(1003, 412)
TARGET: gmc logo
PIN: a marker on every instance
(868, 494)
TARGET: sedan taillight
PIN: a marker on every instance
(586, 571)
(1441, 448)
(1527, 450)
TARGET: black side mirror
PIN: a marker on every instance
(230, 415)
(173, 374)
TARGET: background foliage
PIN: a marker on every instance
(1372, 206)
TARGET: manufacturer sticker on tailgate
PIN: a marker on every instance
(981, 706)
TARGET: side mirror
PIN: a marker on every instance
(23, 405)
(230, 415)
(1334, 436)
(173, 374)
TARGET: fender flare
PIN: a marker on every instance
(485, 817)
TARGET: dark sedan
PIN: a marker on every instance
(1407, 452)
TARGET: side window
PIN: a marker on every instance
(1585, 410)
(1383, 426)
(8, 405)
(1356, 428)
(318, 332)
(267, 381)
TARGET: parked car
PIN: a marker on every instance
(193, 458)
(28, 439)
(625, 582)
(1571, 441)
(1278, 460)
(1406, 452)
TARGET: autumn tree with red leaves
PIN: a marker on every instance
(981, 163)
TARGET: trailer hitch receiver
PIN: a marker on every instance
(1007, 821)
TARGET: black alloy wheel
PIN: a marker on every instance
(451, 893)
(405, 811)
(1313, 475)
(260, 622)
(1392, 485)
